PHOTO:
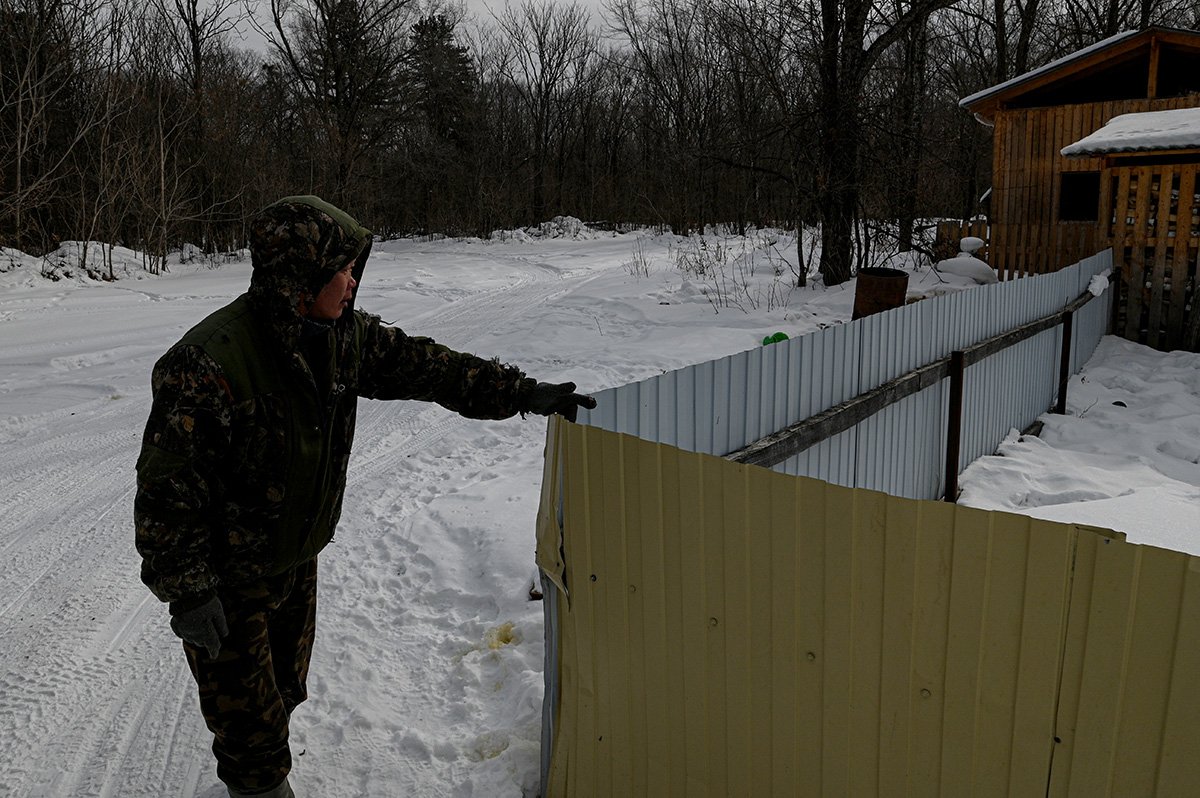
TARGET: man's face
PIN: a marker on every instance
(335, 296)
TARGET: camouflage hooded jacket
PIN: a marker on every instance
(243, 461)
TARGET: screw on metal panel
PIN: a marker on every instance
(593, 577)
(712, 621)
(925, 693)
(633, 588)
(811, 656)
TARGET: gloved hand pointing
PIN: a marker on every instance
(548, 398)
(202, 626)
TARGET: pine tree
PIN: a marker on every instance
(441, 80)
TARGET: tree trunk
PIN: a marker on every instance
(838, 188)
(911, 90)
(837, 231)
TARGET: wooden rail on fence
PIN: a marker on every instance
(779, 446)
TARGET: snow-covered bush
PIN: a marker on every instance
(639, 264)
(747, 273)
(559, 227)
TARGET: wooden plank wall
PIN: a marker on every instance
(1027, 237)
(1154, 225)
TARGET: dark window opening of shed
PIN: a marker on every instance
(1079, 197)
(1178, 73)
(1119, 79)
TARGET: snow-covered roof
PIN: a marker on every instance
(1052, 66)
(1143, 132)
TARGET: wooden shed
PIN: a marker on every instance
(1150, 216)
(1044, 206)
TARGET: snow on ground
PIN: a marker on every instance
(1126, 456)
(427, 674)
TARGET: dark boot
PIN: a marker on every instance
(281, 790)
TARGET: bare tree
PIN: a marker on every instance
(851, 37)
(163, 188)
(957, 155)
(48, 51)
(1083, 22)
(550, 49)
(907, 104)
(672, 44)
(197, 33)
(347, 58)
(100, 166)
(771, 88)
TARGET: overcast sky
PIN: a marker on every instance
(249, 38)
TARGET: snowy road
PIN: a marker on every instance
(427, 674)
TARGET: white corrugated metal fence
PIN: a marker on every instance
(722, 405)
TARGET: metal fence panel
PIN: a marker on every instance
(1130, 706)
(899, 450)
(732, 631)
(823, 380)
(1091, 323)
(723, 405)
(1008, 390)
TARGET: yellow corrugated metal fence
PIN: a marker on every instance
(726, 630)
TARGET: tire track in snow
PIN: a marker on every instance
(82, 663)
(94, 667)
(391, 432)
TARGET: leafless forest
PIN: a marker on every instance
(141, 122)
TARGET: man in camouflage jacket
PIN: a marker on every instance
(243, 467)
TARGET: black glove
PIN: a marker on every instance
(548, 398)
(202, 626)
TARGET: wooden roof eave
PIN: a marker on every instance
(1175, 36)
(1112, 160)
(1177, 152)
(986, 107)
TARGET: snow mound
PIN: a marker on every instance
(559, 227)
(85, 261)
(971, 244)
(1099, 283)
(966, 265)
(190, 253)
(11, 259)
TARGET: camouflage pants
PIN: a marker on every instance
(250, 689)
